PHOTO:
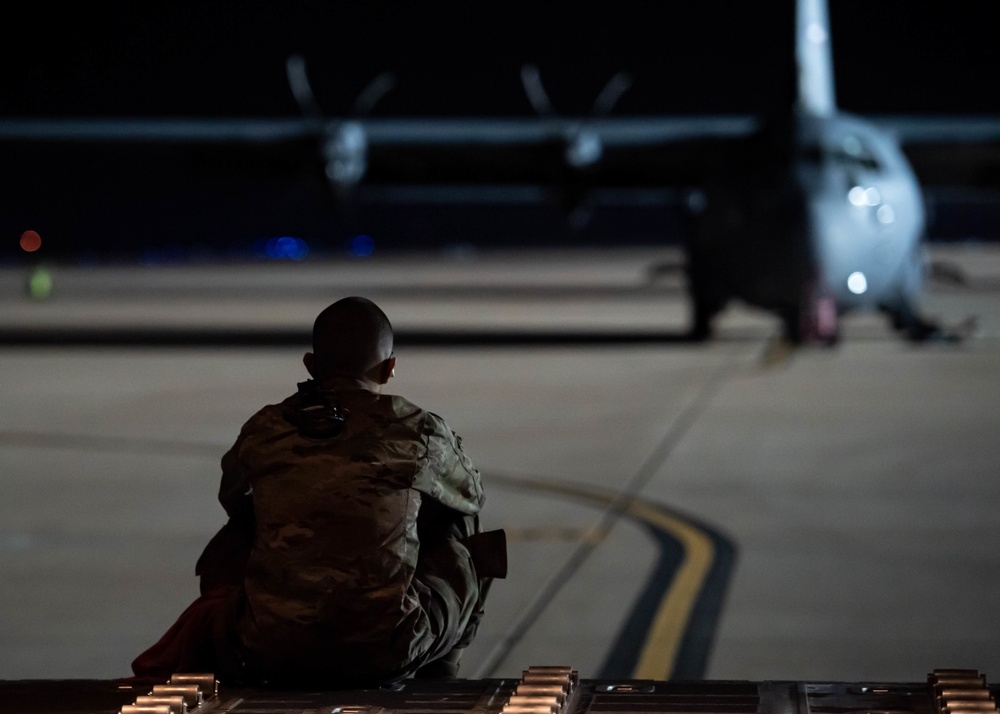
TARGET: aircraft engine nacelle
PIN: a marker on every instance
(583, 149)
(345, 155)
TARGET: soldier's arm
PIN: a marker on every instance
(446, 473)
(456, 497)
(223, 561)
(235, 492)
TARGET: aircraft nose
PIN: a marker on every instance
(843, 253)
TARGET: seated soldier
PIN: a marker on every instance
(353, 554)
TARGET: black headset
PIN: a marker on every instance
(320, 415)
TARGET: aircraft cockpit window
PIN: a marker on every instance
(853, 146)
(852, 152)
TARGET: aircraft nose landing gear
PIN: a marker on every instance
(815, 321)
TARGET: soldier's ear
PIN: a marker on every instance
(309, 360)
(387, 369)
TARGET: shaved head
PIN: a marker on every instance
(350, 337)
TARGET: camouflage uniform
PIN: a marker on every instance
(358, 571)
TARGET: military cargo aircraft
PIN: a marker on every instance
(810, 213)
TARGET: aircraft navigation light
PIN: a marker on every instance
(857, 283)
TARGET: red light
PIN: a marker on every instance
(31, 241)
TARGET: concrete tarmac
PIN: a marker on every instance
(720, 510)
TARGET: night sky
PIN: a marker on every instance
(450, 58)
(461, 57)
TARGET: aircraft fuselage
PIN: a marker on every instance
(865, 216)
(814, 217)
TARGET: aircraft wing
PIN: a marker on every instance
(473, 159)
(623, 155)
(407, 158)
(157, 181)
(152, 130)
(949, 151)
(258, 175)
(612, 152)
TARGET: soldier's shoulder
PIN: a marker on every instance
(270, 413)
(406, 410)
(401, 406)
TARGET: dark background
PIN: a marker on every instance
(227, 59)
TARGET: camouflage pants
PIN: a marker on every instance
(456, 593)
(456, 567)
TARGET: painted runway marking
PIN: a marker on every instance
(688, 656)
(661, 638)
(662, 647)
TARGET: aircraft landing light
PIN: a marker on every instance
(860, 196)
(885, 214)
(857, 283)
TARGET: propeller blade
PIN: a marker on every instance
(295, 69)
(375, 90)
(612, 92)
(532, 81)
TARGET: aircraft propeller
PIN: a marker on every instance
(343, 144)
(582, 147)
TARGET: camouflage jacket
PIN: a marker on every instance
(329, 581)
